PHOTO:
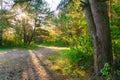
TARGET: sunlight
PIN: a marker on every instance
(24, 76)
(53, 4)
(20, 14)
(39, 67)
(23, 15)
(81, 72)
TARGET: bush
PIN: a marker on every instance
(78, 59)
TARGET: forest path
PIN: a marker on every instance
(28, 64)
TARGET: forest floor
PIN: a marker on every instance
(20, 64)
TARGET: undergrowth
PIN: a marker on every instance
(29, 47)
(72, 63)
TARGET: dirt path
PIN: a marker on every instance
(28, 65)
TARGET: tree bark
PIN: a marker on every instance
(24, 32)
(98, 22)
(31, 36)
(100, 15)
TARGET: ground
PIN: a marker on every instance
(28, 64)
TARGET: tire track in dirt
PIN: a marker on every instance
(27, 64)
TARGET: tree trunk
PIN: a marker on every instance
(31, 36)
(104, 53)
(24, 32)
(98, 22)
(25, 36)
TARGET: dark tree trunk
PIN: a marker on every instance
(104, 52)
(28, 34)
(98, 22)
(31, 36)
(24, 32)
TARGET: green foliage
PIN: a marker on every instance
(118, 73)
(32, 46)
(106, 70)
(58, 43)
(116, 15)
(11, 45)
(5, 16)
(78, 59)
(73, 30)
(74, 61)
(6, 48)
(52, 58)
(24, 29)
(115, 31)
(11, 40)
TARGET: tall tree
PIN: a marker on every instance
(98, 21)
(97, 17)
(5, 15)
(38, 11)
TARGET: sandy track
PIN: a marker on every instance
(28, 64)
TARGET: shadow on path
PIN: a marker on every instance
(26, 65)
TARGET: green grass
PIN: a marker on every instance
(52, 58)
(31, 47)
(28, 47)
(46, 44)
(6, 48)
(72, 63)
(53, 43)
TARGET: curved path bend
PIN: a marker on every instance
(28, 64)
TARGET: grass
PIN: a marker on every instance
(6, 48)
(28, 47)
(52, 58)
(31, 47)
(53, 43)
(63, 65)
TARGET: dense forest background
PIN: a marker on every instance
(31, 23)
